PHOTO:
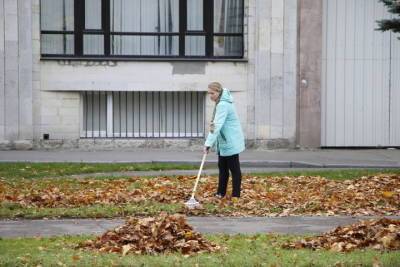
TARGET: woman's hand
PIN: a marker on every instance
(206, 149)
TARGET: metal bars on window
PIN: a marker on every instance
(143, 114)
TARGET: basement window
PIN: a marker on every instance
(143, 115)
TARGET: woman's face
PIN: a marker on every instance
(213, 94)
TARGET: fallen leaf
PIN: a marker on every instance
(388, 194)
(76, 257)
(376, 262)
(125, 249)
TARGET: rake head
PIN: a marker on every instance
(192, 203)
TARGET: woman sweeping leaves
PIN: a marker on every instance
(226, 137)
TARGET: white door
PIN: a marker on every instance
(360, 95)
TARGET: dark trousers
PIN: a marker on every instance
(225, 164)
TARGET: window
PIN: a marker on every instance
(57, 27)
(143, 114)
(142, 28)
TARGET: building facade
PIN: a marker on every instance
(117, 74)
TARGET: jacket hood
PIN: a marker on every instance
(226, 96)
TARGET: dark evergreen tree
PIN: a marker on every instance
(394, 23)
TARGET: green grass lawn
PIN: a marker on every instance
(11, 210)
(242, 250)
(39, 170)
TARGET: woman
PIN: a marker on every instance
(226, 137)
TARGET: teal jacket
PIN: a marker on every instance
(227, 138)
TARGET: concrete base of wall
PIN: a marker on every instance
(133, 144)
(118, 144)
(271, 144)
(16, 145)
(23, 145)
(5, 145)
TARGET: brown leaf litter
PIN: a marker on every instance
(378, 234)
(261, 196)
(152, 235)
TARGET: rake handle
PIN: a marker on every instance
(198, 174)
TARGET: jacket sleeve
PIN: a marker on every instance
(219, 120)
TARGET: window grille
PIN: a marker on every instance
(143, 114)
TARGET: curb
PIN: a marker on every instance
(285, 164)
(243, 163)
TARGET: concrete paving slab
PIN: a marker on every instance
(385, 158)
(245, 171)
(211, 225)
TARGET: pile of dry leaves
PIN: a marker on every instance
(261, 196)
(380, 234)
(152, 235)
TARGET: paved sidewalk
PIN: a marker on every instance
(364, 158)
(211, 171)
(227, 225)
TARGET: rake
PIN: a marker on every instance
(192, 202)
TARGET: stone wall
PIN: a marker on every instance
(16, 74)
(263, 84)
(271, 94)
